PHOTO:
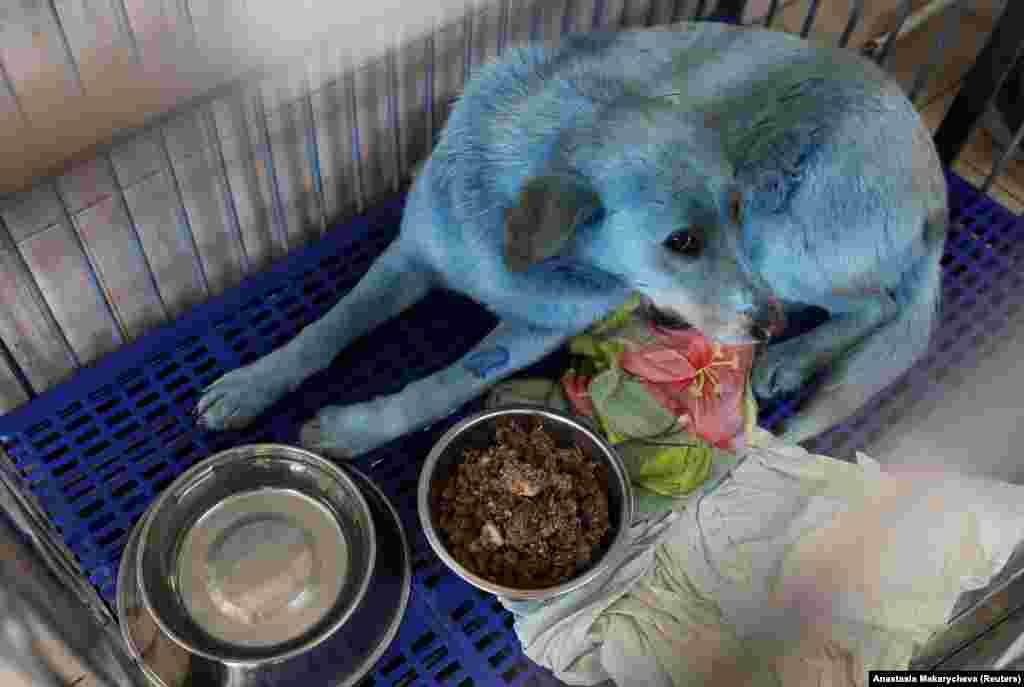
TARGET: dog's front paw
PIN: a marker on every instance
(240, 396)
(781, 369)
(343, 432)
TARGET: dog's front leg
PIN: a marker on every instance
(347, 431)
(785, 367)
(395, 281)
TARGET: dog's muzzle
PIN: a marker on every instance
(664, 319)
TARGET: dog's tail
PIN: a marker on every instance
(885, 355)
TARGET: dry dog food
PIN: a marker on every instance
(524, 513)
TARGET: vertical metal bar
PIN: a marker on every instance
(599, 10)
(229, 198)
(982, 83)
(701, 7)
(924, 70)
(677, 10)
(119, 190)
(32, 283)
(278, 218)
(851, 25)
(391, 63)
(467, 55)
(5, 352)
(812, 14)
(1003, 160)
(69, 56)
(93, 273)
(905, 11)
(357, 156)
(730, 11)
(9, 86)
(19, 374)
(428, 106)
(773, 9)
(503, 17)
(125, 25)
(182, 213)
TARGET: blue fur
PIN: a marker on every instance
(839, 203)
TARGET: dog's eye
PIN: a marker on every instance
(685, 242)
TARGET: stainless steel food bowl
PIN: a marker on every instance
(256, 555)
(477, 431)
(341, 660)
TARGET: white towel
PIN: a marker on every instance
(875, 563)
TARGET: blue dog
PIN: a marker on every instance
(730, 176)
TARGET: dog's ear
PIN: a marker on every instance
(544, 217)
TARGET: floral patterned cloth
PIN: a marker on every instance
(642, 382)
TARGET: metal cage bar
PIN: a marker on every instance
(982, 83)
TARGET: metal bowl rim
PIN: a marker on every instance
(386, 640)
(597, 568)
(230, 456)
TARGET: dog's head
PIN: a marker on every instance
(647, 194)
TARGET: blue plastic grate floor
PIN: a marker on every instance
(95, 450)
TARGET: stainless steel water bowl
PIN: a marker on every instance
(256, 555)
(477, 431)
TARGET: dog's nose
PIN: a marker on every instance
(768, 323)
(760, 334)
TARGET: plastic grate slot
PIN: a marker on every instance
(132, 504)
(124, 489)
(87, 436)
(424, 641)
(448, 672)
(157, 412)
(196, 355)
(464, 608)
(90, 510)
(472, 626)
(500, 657)
(406, 679)
(46, 441)
(71, 410)
(65, 468)
(108, 539)
(37, 428)
(126, 431)
(468, 682)
(205, 367)
(154, 470)
(101, 393)
(115, 420)
(392, 665)
(72, 426)
(176, 384)
(434, 658)
(106, 407)
(517, 669)
(136, 389)
(89, 488)
(148, 400)
(100, 523)
(487, 640)
(96, 449)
